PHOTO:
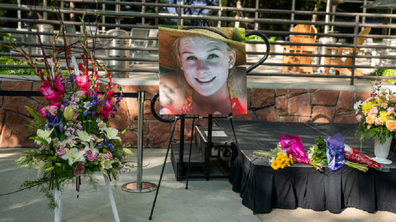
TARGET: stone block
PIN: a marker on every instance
(16, 86)
(281, 105)
(325, 97)
(130, 88)
(1, 101)
(2, 116)
(187, 130)
(296, 92)
(145, 126)
(18, 103)
(123, 120)
(150, 91)
(14, 132)
(288, 119)
(281, 92)
(262, 98)
(322, 114)
(312, 90)
(304, 119)
(345, 102)
(249, 116)
(160, 134)
(267, 114)
(362, 96)
(346, 118)
(130, 139)
(300, 105)
(133, 107)
(147, 110)
(249, 97)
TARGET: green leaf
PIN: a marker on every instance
(372, 132)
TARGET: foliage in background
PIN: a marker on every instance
(385, 72)
(4, 37)
(14, 71)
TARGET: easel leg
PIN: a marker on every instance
(58, 205)
(163, 168)
(189, 154)
(111, 197)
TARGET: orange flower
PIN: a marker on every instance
(370, 119)
(391, 125)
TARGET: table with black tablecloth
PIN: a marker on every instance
(302, 185)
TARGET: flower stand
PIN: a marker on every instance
(59, 196)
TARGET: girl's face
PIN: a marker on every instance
(205, 63)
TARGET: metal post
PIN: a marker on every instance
(19, 15)
(103, 18)
(327, 18)
(292, 14)
(182, 12)
(143, 11)
(139, 186)
(219, 22)
(45, 16)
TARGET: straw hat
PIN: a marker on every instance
(168, 36)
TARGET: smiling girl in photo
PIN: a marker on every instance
(202, 71)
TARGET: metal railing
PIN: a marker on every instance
(217, 20)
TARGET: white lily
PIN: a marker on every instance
(73, 155)
(90, 146)
(105, 164)
(84, 136)
(111, 133)
(44, 134)
(40, 166)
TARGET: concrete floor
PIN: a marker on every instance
(204, 201)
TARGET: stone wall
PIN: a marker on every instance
(265, 104)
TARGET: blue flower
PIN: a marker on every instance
(106, 143)
(54, 121)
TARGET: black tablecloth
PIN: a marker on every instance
(301, 185)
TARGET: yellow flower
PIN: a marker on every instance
(275, 164)
(384, 116)
(367, 107)
(291, 159)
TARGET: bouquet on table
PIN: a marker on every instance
(376, 115)
(73, 132)
(277, 158)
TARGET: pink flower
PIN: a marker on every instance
(82, 81)
(390, 109)
(374, 109)
(80, 93)
(52, 109)
(47, 91)
(60, 152)
(81, 67)
(58, 86)
(42, 112)
(359, 117)
(79, 169)
(79, 149)
(108, 155)
(369, 126)
(90, 156)
(94, 137)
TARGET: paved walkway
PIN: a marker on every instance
(204, 201)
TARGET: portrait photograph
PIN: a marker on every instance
(202, 70)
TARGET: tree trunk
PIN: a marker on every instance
(314, 16)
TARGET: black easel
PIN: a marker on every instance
(210, 122)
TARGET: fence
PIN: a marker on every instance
(374, 55)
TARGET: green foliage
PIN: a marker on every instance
(4, 37)
(385, 72)
(14, 71)
(317, 152)
(38, 121)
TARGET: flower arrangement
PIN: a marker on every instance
(73, 132)
(277, 158)
(376, 115)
